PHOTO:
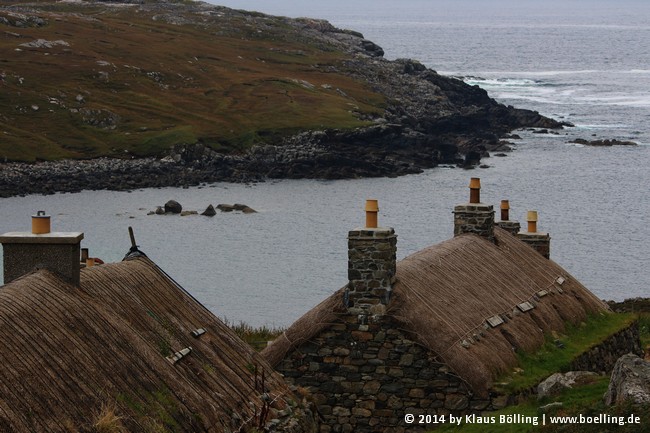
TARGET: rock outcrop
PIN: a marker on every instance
(604, 143)
(558, 382)
(172, 206)
(209, 211)
(424, 119)
(630, 381)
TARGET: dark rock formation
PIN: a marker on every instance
(604, 143)
(209, 211)
(225, 207)
(235, 207)
(428, 119)
(172, 206)
(243, 208)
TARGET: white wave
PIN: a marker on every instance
(500, 82)
(617, 100)
(600, 125)
(529, 73)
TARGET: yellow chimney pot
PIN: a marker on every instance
(532, 221)
(475, 190)
(40, 223)
(372, 208)
(505, 210)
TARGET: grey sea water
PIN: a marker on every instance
(581, 61)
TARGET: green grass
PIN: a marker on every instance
(534, 367)
(586, 400)
(644, 330)
(257, 337)
(223, 84)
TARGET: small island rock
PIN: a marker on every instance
(209, 211)
(172, 206)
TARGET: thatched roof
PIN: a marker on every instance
(70, 355)
(444, 295)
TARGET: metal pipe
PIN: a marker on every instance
(532, 221)
(132, 236)
(505, 210)
(372, 208)
(84, 254)
(40, 223)
(475, 190)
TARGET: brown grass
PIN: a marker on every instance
(108, 421)
(222, 84)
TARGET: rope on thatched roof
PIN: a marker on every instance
(82, 347)
(446, 292)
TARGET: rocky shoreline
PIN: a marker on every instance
(310, 155)
(428, 120)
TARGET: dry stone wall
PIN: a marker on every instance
(602, 358)
(540, 242)
(474, 218)
(512, 227)
(365, 378)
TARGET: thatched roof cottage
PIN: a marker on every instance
(430, 334)
(122, 347)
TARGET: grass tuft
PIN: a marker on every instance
(108, 421)
(257, 337)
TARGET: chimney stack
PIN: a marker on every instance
(505, 210)
(25, 252)
(540, 242)
(512, 227)
(474, 217)
(371, 265)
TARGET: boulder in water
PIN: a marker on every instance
(209, 211)
(172, 206)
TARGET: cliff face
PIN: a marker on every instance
(221, 94)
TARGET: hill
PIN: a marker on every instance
(231, 94)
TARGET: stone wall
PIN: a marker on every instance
(23, 258)
(474, 218)
(365, 378)
(512, 227)
(540, 242)
(601, 358)
(371, 266)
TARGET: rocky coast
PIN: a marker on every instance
(425, 119)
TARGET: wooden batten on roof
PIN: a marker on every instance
(444, 295)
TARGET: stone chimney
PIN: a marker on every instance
(474, 217)
(371, 265)
(540, 242)
(25, 252)
(513, 227)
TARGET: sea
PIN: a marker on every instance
(586, 62)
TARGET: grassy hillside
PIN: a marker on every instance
(585, 399)
(130, 80)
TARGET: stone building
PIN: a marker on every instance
(122, 347)
(429, 334)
